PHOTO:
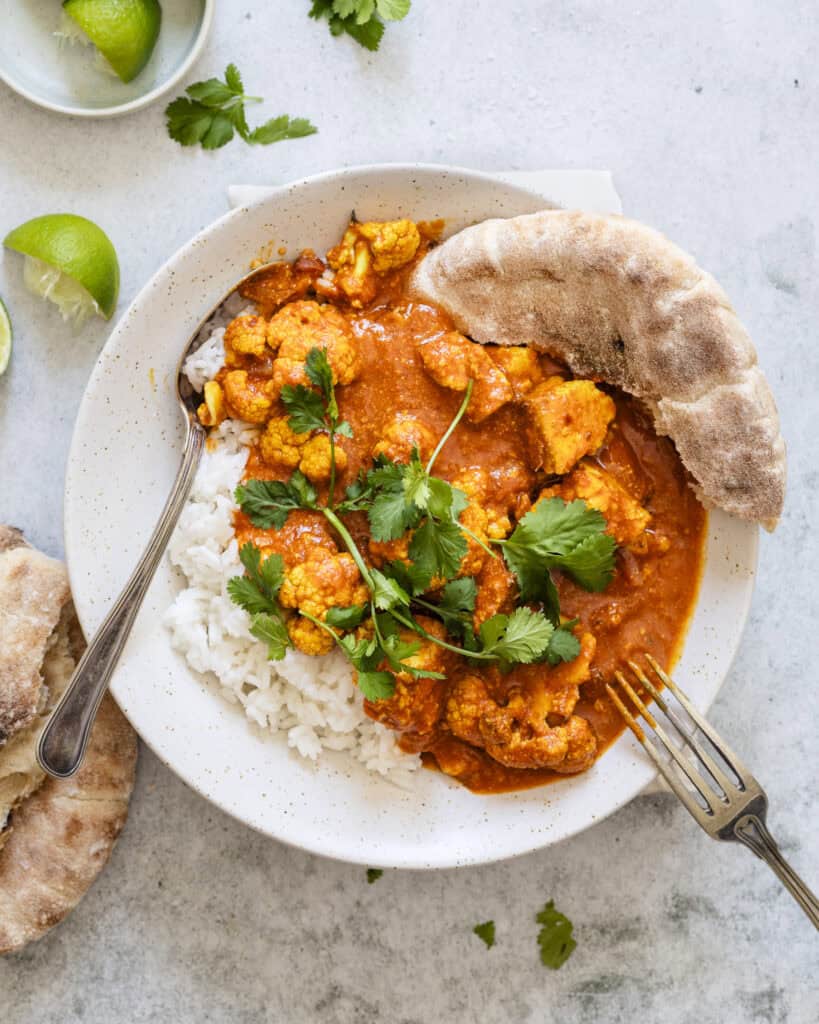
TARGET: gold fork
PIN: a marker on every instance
(723, 798)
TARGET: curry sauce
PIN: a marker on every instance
(464, 723)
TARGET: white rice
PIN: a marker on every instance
(311, 700)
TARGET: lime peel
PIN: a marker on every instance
(69, 261)
(6, 335)
(124, 31)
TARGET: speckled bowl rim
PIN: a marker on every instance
(130, 106)
(350, 847)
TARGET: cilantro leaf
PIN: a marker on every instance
(305, 408)
(233, 79)
(376, 685)
(214, 109)
(387, 593)
(412, 579)
(521, 637)
(459, 595)
(416, 482)
(393, 10)
(346, 618)
(591, 563)
(267, 503)
(373, 874)
(555, 937)
(559, 535)
(564, 645)
(320, 373)
(486, 933)
(277, 129)
(247, 595)
(437, 548)
(390, 515)
(273, 632)
(360, 19)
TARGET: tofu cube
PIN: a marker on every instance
(568, 419)
(626, 519)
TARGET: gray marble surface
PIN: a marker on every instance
(707, 114)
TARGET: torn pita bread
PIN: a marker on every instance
(55, 836)
(618, 302)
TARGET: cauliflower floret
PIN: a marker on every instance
(245, 336)
(309, 637)
(280, 446)
(248, 398)
(393, 242)
(452, 361)
(476, 483)
(212, 411)
(323, 582)
(401, 436)
(626, 519)
(497, 590)
(397, 550)
(315, 459)
(517, 732)
(300, 326)
(369, 249)
(519, 364)
(569, 419)
(475, 519)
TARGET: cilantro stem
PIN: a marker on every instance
(350, 544)
(451, 427)
(478, 541)
(410, 623)
(324, 626)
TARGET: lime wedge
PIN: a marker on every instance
(71, 262)
(124, 31)
(5, 338)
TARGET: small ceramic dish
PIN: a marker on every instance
(65, 78)
(123, 459)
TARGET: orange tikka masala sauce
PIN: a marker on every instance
(646, 606)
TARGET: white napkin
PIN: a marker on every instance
(573, 190)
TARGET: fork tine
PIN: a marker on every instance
(690, 772)
(721, 747)
(694, 808)
(716, 773)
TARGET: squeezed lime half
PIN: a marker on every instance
(124, 31)
(5, 338)
(69, 261)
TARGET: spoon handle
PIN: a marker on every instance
(64, 739)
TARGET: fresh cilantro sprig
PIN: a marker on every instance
(256, 592)
(214, 110)
(317, 410)
(555, 937)
(556, 534)
(360, 19)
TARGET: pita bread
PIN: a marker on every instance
(618, 302)
(55, 836)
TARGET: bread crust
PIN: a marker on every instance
(617, 302)
(55, 835)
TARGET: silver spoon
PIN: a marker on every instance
(65, 737)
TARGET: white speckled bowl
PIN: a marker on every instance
(123, 458)
(64, 77)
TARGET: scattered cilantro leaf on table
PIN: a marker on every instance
(214, 110)
(373, 874)
(486, 933)
(555, 937)
(360, 19)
